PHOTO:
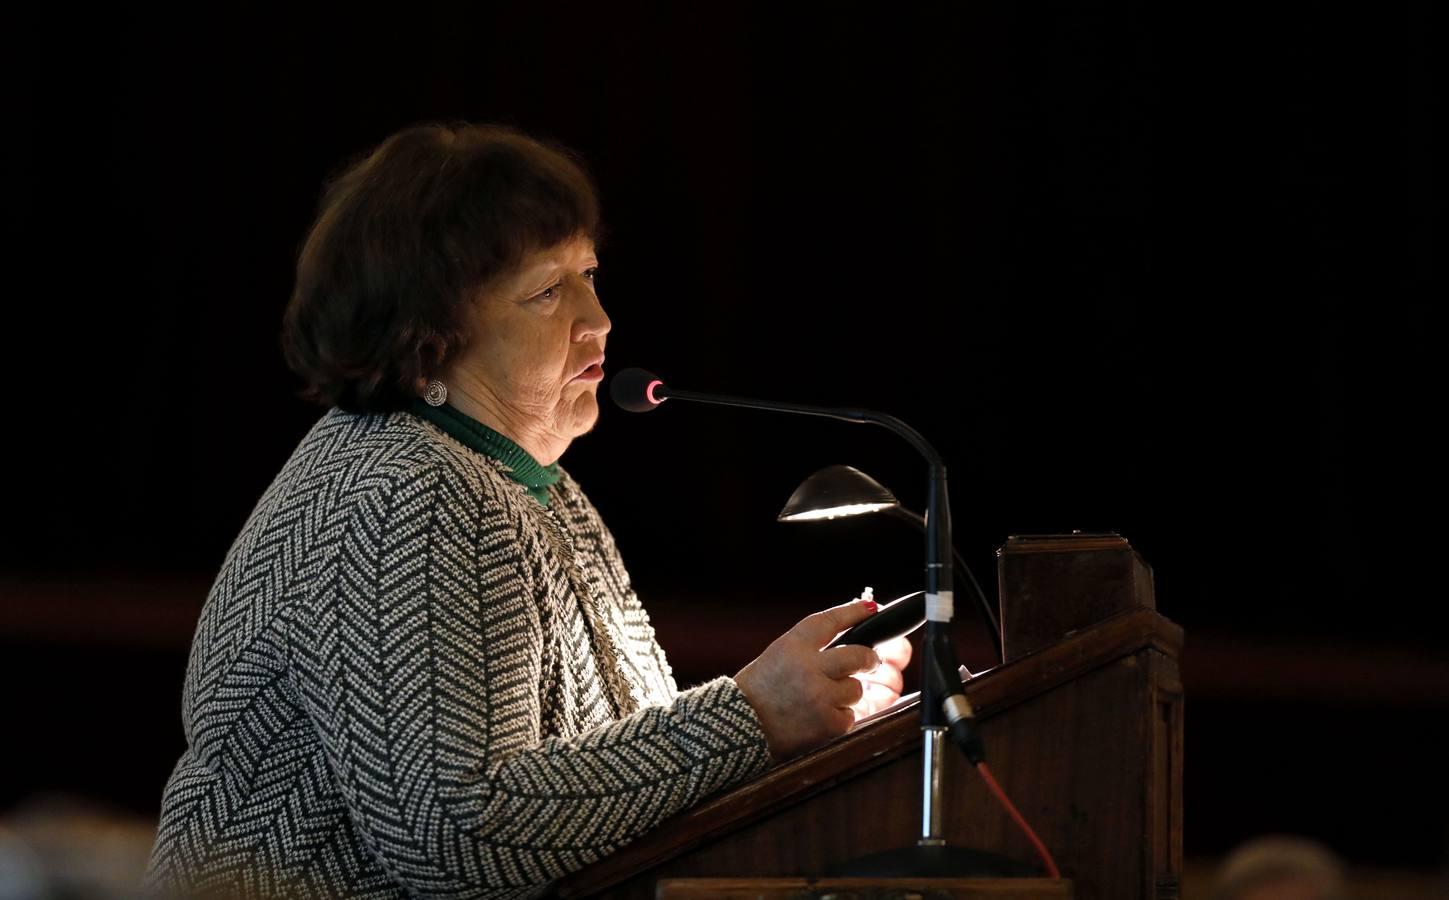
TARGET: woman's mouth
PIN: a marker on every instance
(595, 372)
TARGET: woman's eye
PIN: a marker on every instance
(552, 293)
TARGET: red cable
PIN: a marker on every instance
(1041, 850)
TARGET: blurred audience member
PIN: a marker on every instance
(1280, 868)
(59, 848)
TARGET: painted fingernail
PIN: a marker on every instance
(871, 605)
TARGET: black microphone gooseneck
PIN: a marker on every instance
(637, 390)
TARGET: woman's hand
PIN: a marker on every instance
(883, 683)
(803, 695)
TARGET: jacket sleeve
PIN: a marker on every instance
(419, 662)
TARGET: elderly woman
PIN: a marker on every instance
(422, 669)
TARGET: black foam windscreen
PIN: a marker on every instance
(630, 390)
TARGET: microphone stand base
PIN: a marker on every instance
(928, 861)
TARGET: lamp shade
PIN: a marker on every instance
(835, 492)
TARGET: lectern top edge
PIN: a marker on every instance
(1056, 543)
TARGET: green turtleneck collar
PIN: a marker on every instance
(473, 434)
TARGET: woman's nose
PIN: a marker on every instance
(592, 321)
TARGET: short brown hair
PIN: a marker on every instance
(404, 238)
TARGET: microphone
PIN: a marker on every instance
(639, 390)
(943, 676)
(635, 390)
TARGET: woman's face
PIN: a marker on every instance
(533, 366)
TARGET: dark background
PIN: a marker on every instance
(1137, 267)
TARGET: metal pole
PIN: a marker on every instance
(931, 833)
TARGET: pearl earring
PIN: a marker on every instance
(437, 393)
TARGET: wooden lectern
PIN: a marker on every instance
(1084, 732)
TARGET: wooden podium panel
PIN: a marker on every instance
(1053, 584)
(865, 889)
(1084, 735)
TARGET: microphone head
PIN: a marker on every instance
(636, 390)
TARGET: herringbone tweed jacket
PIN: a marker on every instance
(412, 679)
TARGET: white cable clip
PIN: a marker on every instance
(940, 607)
